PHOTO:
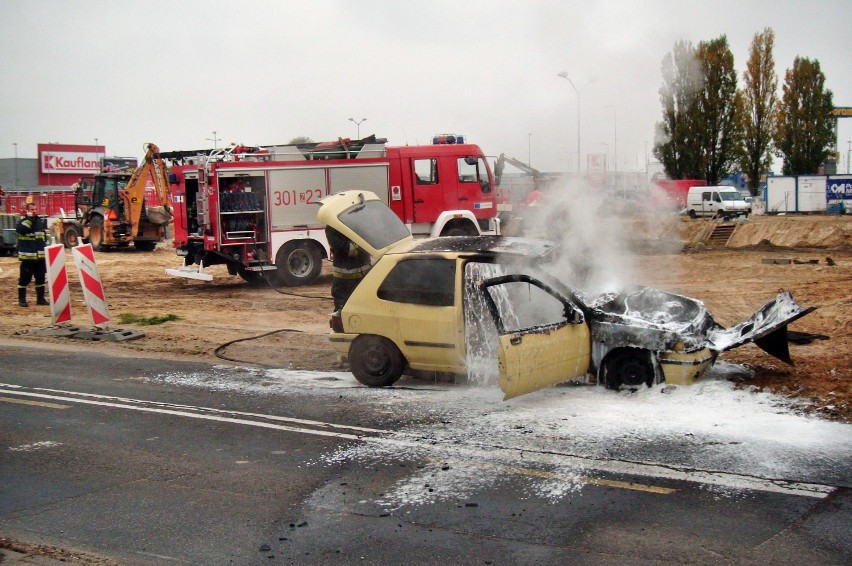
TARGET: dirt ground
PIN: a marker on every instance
(733, 281)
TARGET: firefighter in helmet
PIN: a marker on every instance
(32, 237)
(349, 265)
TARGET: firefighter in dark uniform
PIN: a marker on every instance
(32, 237)
(349, 265)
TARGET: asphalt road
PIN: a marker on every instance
(145, 461)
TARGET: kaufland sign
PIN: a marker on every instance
(62, 164)
(69, 162)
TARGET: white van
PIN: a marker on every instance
(716, 202)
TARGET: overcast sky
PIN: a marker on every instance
(264, 72)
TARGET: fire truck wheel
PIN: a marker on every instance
(96, 233)
(457, 231)
(375, 361)
(71, 237)
(299, 263)
(144, 245)
(254, 278)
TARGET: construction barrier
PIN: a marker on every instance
(93, 290)
(57, 284)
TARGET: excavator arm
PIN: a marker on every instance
(500, 164)
(134, 193)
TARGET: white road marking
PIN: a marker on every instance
(401, 440)
(35, 446)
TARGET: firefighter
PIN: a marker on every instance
(349, 265)
(32, 237)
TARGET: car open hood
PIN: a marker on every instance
(365, 219)
(767, 328)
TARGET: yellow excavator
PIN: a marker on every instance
(112, 210)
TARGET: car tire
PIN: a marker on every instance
(692, 214)
(629, 367)
(375, 361)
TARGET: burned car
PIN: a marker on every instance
(437, 304)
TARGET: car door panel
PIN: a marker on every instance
(534, 359)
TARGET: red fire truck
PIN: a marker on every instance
(254, 208)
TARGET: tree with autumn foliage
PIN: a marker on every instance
(805, 130)
(758, 113)
(676, 137)
(698, 136)
(718, 104)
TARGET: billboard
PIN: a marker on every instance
(838, 188)
(62, 164)
(116, 164)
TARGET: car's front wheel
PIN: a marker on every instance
(375, 361)
(630, 367)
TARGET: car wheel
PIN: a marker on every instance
(630, 368)
(375, 361)
(692, 214)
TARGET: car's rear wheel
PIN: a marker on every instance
(375, 361)
(630, 367)
(692, 214)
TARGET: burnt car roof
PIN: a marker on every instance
(480, 246)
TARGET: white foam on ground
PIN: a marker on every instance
(559, 438)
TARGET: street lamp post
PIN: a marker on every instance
(16, 163)
(529, 150)
(215, 140)
(564, 75)
(848, 153)
(615, 144)
(358, 125)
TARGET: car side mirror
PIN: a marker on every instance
(572, 315)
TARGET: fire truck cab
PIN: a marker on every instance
(254, 209)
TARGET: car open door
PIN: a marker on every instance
(543, 337)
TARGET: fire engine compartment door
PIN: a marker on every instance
(294, 195)
(373, 178)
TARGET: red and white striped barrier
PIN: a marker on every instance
(57, 284)
(93, 290)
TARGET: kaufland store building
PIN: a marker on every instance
(57, 167)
